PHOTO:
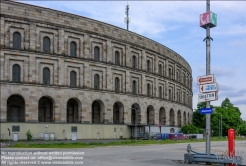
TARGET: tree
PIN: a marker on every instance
(190, 129)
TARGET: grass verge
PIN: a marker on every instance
(101, 144)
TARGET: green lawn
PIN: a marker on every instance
(100, 144)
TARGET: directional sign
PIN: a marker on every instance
(206, 110)
(209, 88)
(211, 96)
(208, 79)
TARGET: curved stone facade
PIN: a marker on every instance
(74, 71)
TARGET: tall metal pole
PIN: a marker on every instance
(208, 116)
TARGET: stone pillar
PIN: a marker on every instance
(61, 42)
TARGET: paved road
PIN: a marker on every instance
(150, 155)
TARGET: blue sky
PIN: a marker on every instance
(175, 24)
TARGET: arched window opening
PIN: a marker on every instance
(135, 114)
(150, 115)
(160, 70)
(96, 112)
(72, 111)
(134, 63)
(96, 54)
(118, 113)
(73, 79)
(162, 116)
(177, 76)
(117, 84)
(117, 58)
(171, 118)
(148, 90)
(178, 99)
(96, 81)
(134, 87)
(46, 45)
(170, 72)
(184, 80)
(46, 75)
(16, 73)
(170, 95)
(15, 109)
(73, 49)
(148, 66)
(45, 110)
(160, 92)
(17, 40)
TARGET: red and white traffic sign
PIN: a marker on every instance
(205, 79)
(211, 96)
(209, 88)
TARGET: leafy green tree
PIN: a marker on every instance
(190, 129)
(229, 114)
(242, 128)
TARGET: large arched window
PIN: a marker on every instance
(17, 40)
(46, 75)
(46, 45)
(73, 79)
(160, 92)
(160, 69)
(148, 90)
(134, 62)
(73, 49)
(148, 66)
(117, 58)
(15, 109)
(16, 73)
(134, 87)
(96, 81)
(96, 54)
(117, 84)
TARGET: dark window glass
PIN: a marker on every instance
(148, 90)
(160, 70)
(117, 58)
(73, 79)
(160, 92)
(46, 75)
(96, 81)
(73, 49)
(17, 40)
(177, 76)
(96, 54)
(15, 128)
(73, 128)
(134, 87)
(16, 73)
(117, 84)
(46, 45)
(134, 62)
(184, 78)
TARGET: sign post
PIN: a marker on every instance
(207, 20)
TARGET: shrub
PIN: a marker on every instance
(28, 135)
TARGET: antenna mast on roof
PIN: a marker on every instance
(127, 19)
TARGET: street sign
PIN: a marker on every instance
(208, 79)
(204, 97)
(208, 18)
(209, 88)
(206, 111)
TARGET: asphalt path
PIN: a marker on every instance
(149, 155)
